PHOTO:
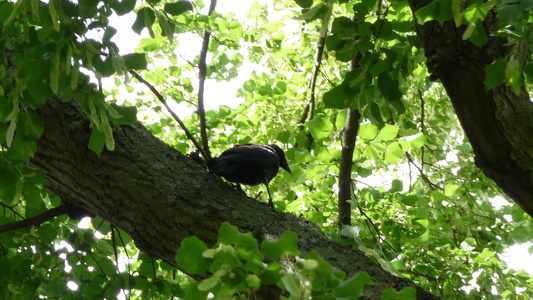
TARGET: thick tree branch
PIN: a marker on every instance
(497, 122)
(159, 197)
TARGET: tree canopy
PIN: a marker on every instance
(404, 124)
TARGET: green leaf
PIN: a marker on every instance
(209, 283)
(325, 276)
(53, 15)
(253, 281)
(55, 287)
(510, 11)
(54, 72)
(347, 52)
(370, 4)
(396, 186)
(440, 10)
(190, 258)
(416, 141)
(228, 234)
(145, 18)
(344, 28)
(495, 73)
(135, 61)
(409, 199)
(336, 98)
(123, 7)
(34, 201)
(106, 265)
(364, 172)
(37, 82)
(333, 42)
(373, 113)
(360, 10)
(148, 268)
(10, 183)
(313, 13)
(388, 132)
(29, 127)
(177, 8)
(319, 127)
(450, 189)
(368, 131)
(388, 87)
(6, 8)
(290, 284)
(286, 244)
(97, 141)
(280, 88)
(353, 287)
(475, 33)
(304, 3)
(47, 233)
(124, 114)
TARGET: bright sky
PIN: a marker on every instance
(127, 40)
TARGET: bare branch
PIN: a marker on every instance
(202, 66)
(182, 125)
(35, 221)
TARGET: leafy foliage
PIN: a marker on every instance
(239, 268)
(421, 207)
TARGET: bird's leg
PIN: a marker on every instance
(270, 203)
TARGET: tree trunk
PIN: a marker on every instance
(498, 122)
(159, 196)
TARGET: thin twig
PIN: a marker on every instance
(369, 221)
(202, 66)
(422, 125)
(422, 174)
(162, 100)
(35, 221)
(309, 110)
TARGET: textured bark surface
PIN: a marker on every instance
(498, 123)
(159, 196)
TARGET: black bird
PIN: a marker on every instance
(250, 164)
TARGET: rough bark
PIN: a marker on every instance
(159, 196)
(497, 122)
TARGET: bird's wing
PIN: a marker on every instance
(251, 154)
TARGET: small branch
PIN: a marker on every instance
(309, 110)
(422, 174)
(11, 208)
(202, 66)
(345, 168)
(348, 146)
(162, 100)
(379, 239)
(422, 125)
(35, 221)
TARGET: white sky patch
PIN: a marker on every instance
(84, 223)
(72, 286)
(498, 202)
(517, 257)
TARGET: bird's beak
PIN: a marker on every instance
(286, 167)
